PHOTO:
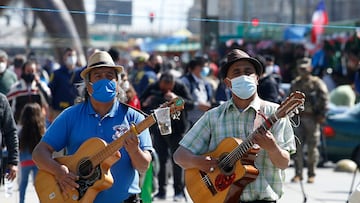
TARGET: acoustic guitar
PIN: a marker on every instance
(227, 181)
(92, 162)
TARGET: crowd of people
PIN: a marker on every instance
(64, 105)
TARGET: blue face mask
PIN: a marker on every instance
(205, 71)
(104, 90)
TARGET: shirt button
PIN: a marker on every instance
(99, 124)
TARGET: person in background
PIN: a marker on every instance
(32, 127)
(268, 87)
(270, 66)
(148, 74)
(222, 92)
(201, 91)
(17, 64)
(7, 77)
(99, 115)
(131, 96)
(115, 55)
(29, 89)
(315, 108)
(167, 89)
(9, 141)
(63, 84)
(239, 117)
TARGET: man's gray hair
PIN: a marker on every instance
(3, 54)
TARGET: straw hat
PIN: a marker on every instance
(237, 55)
(100, 59)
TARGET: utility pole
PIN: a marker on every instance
(203, 25)
(209, 25)
(293, 12)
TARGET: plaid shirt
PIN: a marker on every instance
(227, 120)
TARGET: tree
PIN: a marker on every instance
(64, 29)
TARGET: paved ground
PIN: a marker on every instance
(329, 187)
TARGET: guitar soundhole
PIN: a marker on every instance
(227, 169)
(88, 181)
(85, 168)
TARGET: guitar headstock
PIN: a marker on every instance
(176, 106)
(291, 105)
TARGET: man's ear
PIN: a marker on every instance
(227, 82)
(89, 88)
(257, 79)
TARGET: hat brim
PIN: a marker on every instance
(83, 73)
(256, 63)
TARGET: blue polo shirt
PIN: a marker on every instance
(80, 122)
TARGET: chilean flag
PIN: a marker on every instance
(319, 19)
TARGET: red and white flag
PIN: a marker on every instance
(319, 20)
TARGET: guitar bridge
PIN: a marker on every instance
(205, 178)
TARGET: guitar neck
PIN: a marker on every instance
(243, 148)
(113, 147)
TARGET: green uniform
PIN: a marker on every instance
(308, 132)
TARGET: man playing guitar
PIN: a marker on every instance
(237, 119)
(98, 120)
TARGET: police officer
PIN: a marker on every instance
(308, 132)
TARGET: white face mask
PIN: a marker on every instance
(269, 70)
(71, 60)
(243, 86)
(125, 85)
(2, 67)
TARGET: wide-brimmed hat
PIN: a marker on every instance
(100, 59)
(237, 55)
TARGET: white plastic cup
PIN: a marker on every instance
(163, 120)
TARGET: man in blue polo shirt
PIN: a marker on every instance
(100, 115)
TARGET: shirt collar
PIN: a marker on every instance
(255, 104)
(197, 80)
(111, 113)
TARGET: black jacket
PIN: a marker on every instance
(8, 131)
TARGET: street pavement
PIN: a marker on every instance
(330, 187)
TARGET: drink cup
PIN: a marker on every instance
(163, 120)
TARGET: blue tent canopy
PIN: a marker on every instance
(174, 43)
(296, 33)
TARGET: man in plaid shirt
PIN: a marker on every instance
(238, 118)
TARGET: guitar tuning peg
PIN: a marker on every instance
(296, 111)
(176, 115)
(291, 114)
(302, 108)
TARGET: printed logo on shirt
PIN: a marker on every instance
(119, 130)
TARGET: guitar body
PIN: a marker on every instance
(218, 186)
(91, 184)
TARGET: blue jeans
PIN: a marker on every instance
(25, 172)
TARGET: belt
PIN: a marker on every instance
(260, 201)
(27, 163)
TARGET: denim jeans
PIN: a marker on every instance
(25, 172)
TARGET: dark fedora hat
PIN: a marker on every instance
(237, 55)
(100, 59)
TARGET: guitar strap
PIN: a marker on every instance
(260, 116)
(138, 110)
